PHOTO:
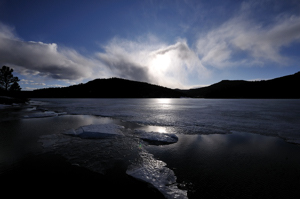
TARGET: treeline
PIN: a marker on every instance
(282, 87)
(108, 88)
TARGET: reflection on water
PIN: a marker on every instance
(237, 165)
(164, 100)
(158, 129)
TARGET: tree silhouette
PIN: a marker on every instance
(7, 81)
(15, 87)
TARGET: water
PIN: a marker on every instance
(225, 148)
(239, 165)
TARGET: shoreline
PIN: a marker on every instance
(51, 174)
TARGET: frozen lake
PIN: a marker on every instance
(191, 148)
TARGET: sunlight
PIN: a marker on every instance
(164, 100)
(161, 62)
(158, 129)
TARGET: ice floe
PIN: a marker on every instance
(155, 173)
(44, 114)
(97, 131)
(156, 137)
(41, 114)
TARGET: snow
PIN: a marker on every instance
(156, 137)
(97, 131)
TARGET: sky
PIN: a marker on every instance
(173, 43)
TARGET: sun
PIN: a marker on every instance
(161, 63)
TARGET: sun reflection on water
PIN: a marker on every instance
(158, 129)
(164, 101)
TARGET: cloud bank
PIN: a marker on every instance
(44, 59)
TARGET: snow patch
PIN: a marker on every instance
(156, 137)
(97, 131)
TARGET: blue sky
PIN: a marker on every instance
(173, 43)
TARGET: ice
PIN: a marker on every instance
(49, 141)
(156, 137)
(97, 131)
(155, 173)
(41, 114)
(4, 106)
(98, 155)
(294, 141)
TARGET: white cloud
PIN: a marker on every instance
(153, 61)
(28, 88)
(220, 47)
(31, 82)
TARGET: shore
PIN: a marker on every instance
(51, 175)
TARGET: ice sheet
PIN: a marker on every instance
(156, 137)
(193, 116)
(97, 131)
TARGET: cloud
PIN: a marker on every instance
(144, 59)
(121, 63)
(44, 59)
(153, 61)
(31, 82)
(242, 41)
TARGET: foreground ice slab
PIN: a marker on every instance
(97, 131)
(156, 137)
(155, 173)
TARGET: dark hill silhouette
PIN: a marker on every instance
(108, 88)
(282, 87)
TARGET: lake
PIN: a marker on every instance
(184, 148)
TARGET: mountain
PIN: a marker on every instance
(107, 88)
(282, 87)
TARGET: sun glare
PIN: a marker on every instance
(161, 62)
(164, 100)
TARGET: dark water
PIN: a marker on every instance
(238, 165)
